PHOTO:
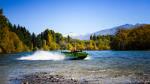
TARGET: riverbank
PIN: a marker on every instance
(46, 78)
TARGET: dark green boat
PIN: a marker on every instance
(75, 55)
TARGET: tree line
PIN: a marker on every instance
(16, 38)
(132, 39)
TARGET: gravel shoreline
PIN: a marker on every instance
(46, 78)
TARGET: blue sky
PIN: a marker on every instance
(78, 16)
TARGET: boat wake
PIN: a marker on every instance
(88, 58)
(43, 55)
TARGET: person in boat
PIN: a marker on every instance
(75, 50)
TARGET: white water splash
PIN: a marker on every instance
(43, 55)
(88, 58)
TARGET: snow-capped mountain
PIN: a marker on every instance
(71, 34)
(112, 31)
(109, 31)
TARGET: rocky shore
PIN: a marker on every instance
(46, 78)
(49, 78)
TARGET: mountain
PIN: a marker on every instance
(112, 31)
(109, 31)
(82, 37)
(77, 36)
(71, 34)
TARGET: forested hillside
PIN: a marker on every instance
(132, 39)
(9, 41)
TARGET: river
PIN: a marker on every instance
(99, 67)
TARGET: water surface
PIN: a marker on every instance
(100, 67)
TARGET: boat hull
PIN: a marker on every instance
(75, 55)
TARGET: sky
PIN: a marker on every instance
(77, 16)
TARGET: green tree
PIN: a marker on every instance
(132, 39)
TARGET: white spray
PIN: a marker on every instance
(43, 55)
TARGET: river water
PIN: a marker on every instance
(100, 67)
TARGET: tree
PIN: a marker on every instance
(80, 45)
(68, 38)
(3, 20)
(91, 37)
(94, 37)
(34, 44)
(69, 46)
(58, 37)
(39, 41)
(132, 39)
(9, 42)
(1, 11)
(45, 47)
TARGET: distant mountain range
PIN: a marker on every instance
(109, 31)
